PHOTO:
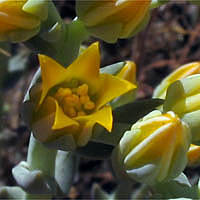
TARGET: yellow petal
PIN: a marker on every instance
(52, 74)
(86, 67)
(111, 88)
(128, 72)
(47, 108)
(43, 120)
(61, 120)
(102, 117)
(86, 133)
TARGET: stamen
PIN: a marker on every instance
(82, 90)
(61, 93)
(84, 99)
(75, 98)
(89, 105)
(70, 111)
(75, 101)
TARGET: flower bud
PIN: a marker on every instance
(193, 155)
(21, 19)
(180, 73)
(111, 20)
(128, 72)
(183, 98)
(155, 149)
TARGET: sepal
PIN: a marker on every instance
(33, 181)
(12, 193)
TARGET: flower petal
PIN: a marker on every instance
(102, 117)
(61, 120)
(128, 72)
(86, 67)
(111, 88)
(52, 74)
(86, 133)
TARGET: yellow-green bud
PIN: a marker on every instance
(155, 149)
(111, 20)
(183, 97)
(21, 19)
(193, 155)
(180, 73)
(128, 72)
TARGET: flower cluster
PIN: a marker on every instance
(72, 100)
(73, 108)
(160, 145)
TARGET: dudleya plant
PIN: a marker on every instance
(21, 19)
(112, 20)
(69, 102)
(155, 149)
(183, 99)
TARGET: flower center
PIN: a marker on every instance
(75, 101)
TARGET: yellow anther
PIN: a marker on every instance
(82, 90)
(67, 92)
(62, 92)
(89, 105)
(84, 99)
(70, 111)
(75, 99)
(81, 113)
(69, 101)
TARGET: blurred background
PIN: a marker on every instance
(171, 39)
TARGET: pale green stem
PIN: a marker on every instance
(39, 196)
(141, 193)
(63, 43)
(41, 158)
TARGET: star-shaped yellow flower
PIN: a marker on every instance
(75, 98)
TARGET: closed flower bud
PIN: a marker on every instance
(155, 149)
(183, 98)
(193, 155)
(128, 72)
(21, 19)
(111, 20)
(180, 73)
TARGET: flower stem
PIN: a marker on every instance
(59, 40)
(41, 158)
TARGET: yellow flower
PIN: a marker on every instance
(193, 155)
(74, 99)
(155, 149)
(20, 19)
(110, 20)
(180, 73)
